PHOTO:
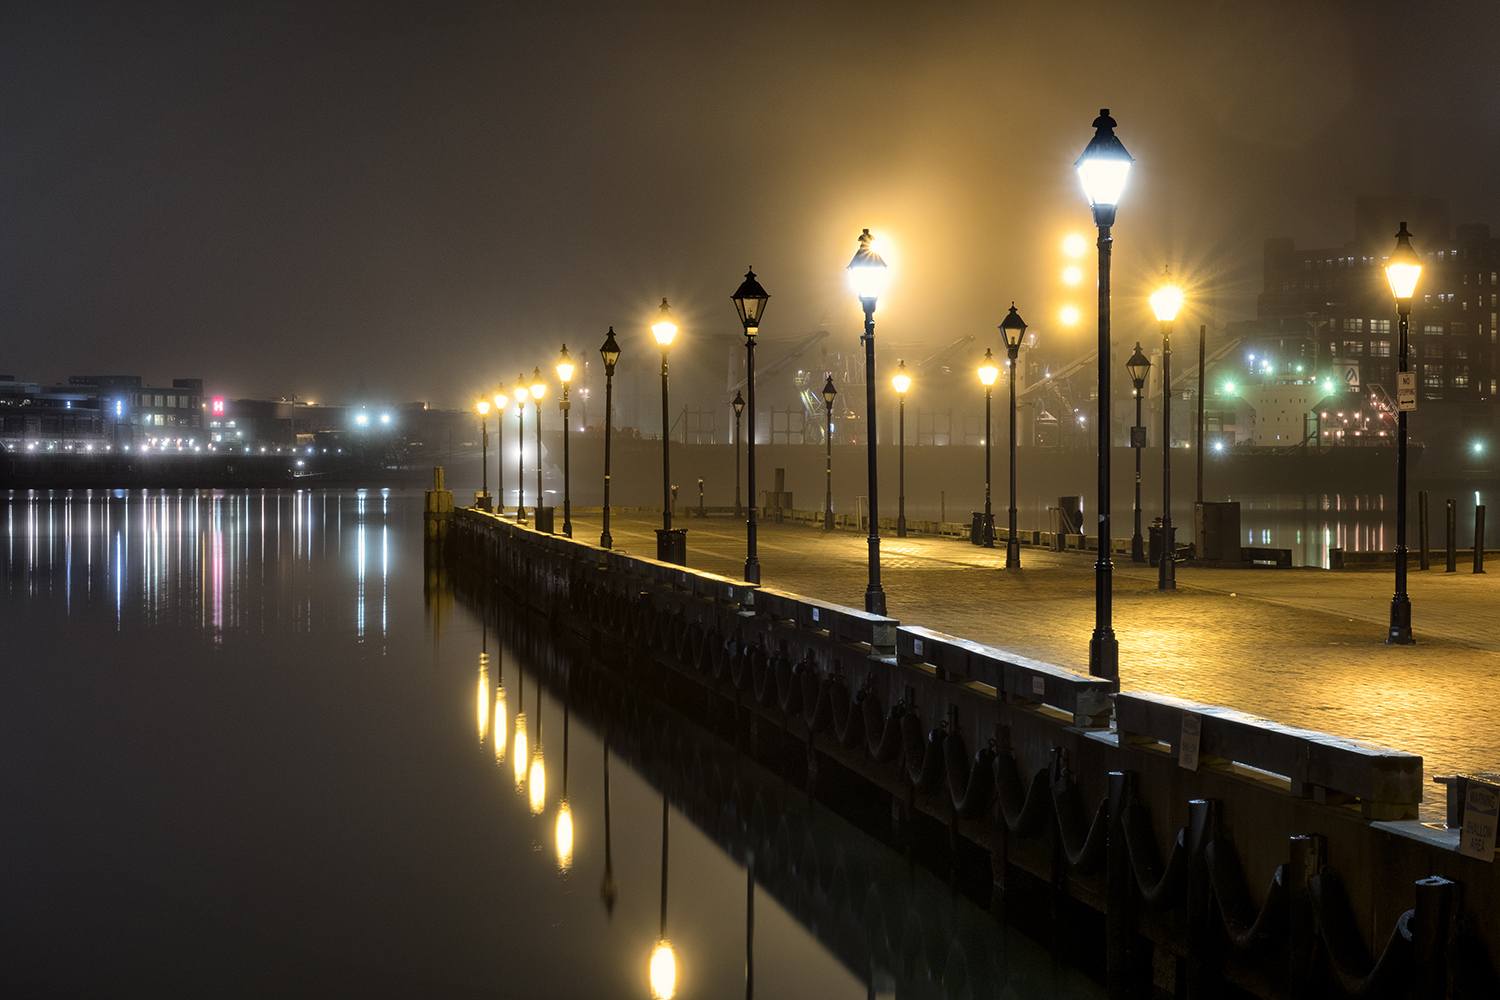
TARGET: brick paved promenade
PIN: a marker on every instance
(1301, 646)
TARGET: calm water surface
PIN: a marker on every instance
(250, 748)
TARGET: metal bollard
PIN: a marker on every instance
(1202, 959)
(1452, 537)
(1308, 853)
(1430, 936)
(1479, 538)
(1422, 532)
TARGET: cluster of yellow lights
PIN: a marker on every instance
(663, 971)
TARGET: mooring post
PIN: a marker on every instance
(1202, 962)
(1308, 853)
(1479, 538)
(1422, 531)
(1429, 936)
(1452, 536)
(1121, 947)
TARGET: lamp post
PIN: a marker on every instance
(987, 375)
(501, 399)
(829, 393)
(609, 352)
(671, 546)
(565, 375)
(538, 390)
(1013, 328)
(482, 498)
(750, 302)
(1402, 272)
(867, 273)
(1102, 169)
(739, 408)
(1138, 366)
(1165, 302)
(901, 382)
(521, 395)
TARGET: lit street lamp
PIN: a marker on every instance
(482, 498)
(609, 352)
(522, 393)
(1402, 272)
(1138, 366)
(868, 273)
(739, 408)
(565, 375)
(750, 302)
(543, 519)
(829, 393)
(501, 399)
(1102, 170)
(987, 375)
(1165, 302)
(671, 545)
(1013, 328)
(901, 382)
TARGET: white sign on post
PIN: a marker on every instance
(1481, 807)
(1406, 390)
(1187, 746)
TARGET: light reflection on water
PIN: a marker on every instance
(277, 784)
(1310, 524)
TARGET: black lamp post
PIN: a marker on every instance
(1013, 328)
(739, 408)
(1402, 272)
(564, 375)
(750, 301)
(501, 399)
(829, 393)
(1102, 168)
(538, 390)
(482, 498)
(901, 382)
(867, 272)
(522, 394)
(1138, 366)
(610, 353)
(671, 545)
(1165, 302)
(987, 374)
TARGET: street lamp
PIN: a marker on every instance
(739, 408)
(522, 394)
(671, 546)
(482, 498)
(867, 274)
(565, 375)
(901, 382)
(1138, 367)
(501, 399)
(987, 375)
(829, 393)
(538, 390)
(1102, 169)
(1013, 328)
(750, 302)
(1402, 272)
(609, 352)
(1165, 302)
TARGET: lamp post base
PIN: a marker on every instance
(1013, 552)
(482, 501)
(752, 571)
(1137, 548)
(1400, 631)
(874, 600)
(1104, 655)
(901, 526)
(827, 520)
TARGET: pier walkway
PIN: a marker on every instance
(1304, 647)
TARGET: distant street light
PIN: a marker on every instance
(482, 498)
(609, 352)
(1138, 366)
(750, 302)
(868, 274)
(901, 382)
(1102, 169)
(987, 375)
(1402, 272)
(501, 399)
(829, 393)
(1165, 302)
(739, 408)
(1013, 327)
(671, 546)
(565, 375)
(522, 394)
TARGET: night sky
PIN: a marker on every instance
(422, 199)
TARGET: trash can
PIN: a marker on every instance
(1154, 546)
(671, 546)
(543, 518)
(982, 529)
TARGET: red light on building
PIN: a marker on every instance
(218, 406)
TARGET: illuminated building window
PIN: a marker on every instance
(1353, 348)
(1433, 330)
(1380, 348)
